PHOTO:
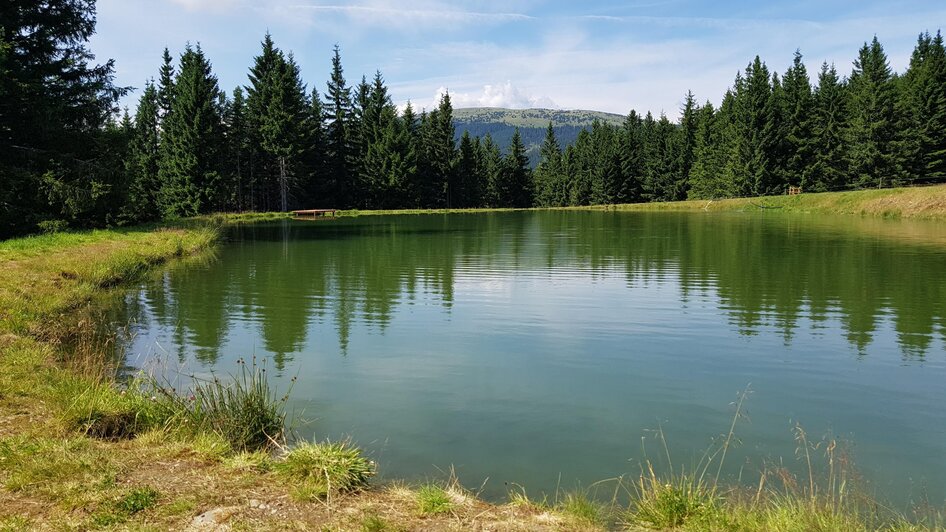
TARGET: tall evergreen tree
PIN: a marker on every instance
(237, 133)
(871, 129)
(828, 169)
(141, 162)
(686, 146)
(797, 136)
(517, 176)
(549, 182)
(55, 103)
(339, 148)
(192, 137)
(165, 84)
(921, 108)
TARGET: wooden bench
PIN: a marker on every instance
(314, 213)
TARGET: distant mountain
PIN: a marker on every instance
(501, 123)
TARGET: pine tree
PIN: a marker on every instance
(141, 162)
(55, 103)
(548, 174)
(517, 175)
(686, 146)
(829, 123)
(339, 148)
(263, 167)
(281, 124)
(313, 187)
(165, 85)
(921, 108)
(191, 141)
(632, 155)
(799, 106)
(467, 170)
(871, 130)
(237, 147)
(492, 167)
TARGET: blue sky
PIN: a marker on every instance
(608, 56)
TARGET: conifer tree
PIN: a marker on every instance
(871, 128)
(799, 105)
(141, 162)
(281, 125)
(921, 108)
(829, 122)
(339, 147)
(686, 145)
(548, 174)
(313, 187)
(492, 167)
(467, 170)
(165, 85)
(191, 141)
(237, 147)
(517, 175)
(632, 159)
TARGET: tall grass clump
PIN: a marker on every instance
(321, 469)
(245, 411)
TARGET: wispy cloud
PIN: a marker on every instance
(424, 16)
(491, 95)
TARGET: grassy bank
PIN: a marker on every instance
(922, 203)
(79, 450)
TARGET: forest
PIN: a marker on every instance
(70, 158)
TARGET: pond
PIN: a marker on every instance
(552, 349)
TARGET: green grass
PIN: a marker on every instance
(928, 202)
(321, 469)
(578, 506)
(243, 410)
(433, 499)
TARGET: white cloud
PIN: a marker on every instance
(495, 95)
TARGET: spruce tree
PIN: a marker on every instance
(165, 85)
(191, 141)
(548, 174)
(799, 107)
(141, 162)
(518, 176)
(685, 147)
(237, 147)
(492, 167)
(467, 171)
(632, 153)
(828, 170)
(921, 109)
(281, 125)
(871, 128)
(339, 148)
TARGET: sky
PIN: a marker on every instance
(600, 55)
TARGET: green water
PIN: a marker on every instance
(545, 348)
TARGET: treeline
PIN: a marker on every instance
(274, 144)
(872, 129)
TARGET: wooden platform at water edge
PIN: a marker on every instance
(315, 213)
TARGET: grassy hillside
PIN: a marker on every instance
(500, 124)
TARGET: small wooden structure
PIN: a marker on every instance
(794, 191)
(315, 213)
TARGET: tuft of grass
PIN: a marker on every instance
(320, 469)
(244, 411)
(670, 502)
(374, 523)
(581, 508)
(433, 499)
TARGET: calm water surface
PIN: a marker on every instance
(544, 348)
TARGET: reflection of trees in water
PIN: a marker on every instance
(764, 271)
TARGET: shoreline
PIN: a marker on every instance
(57, 471)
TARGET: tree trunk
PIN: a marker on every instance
(283, 185)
